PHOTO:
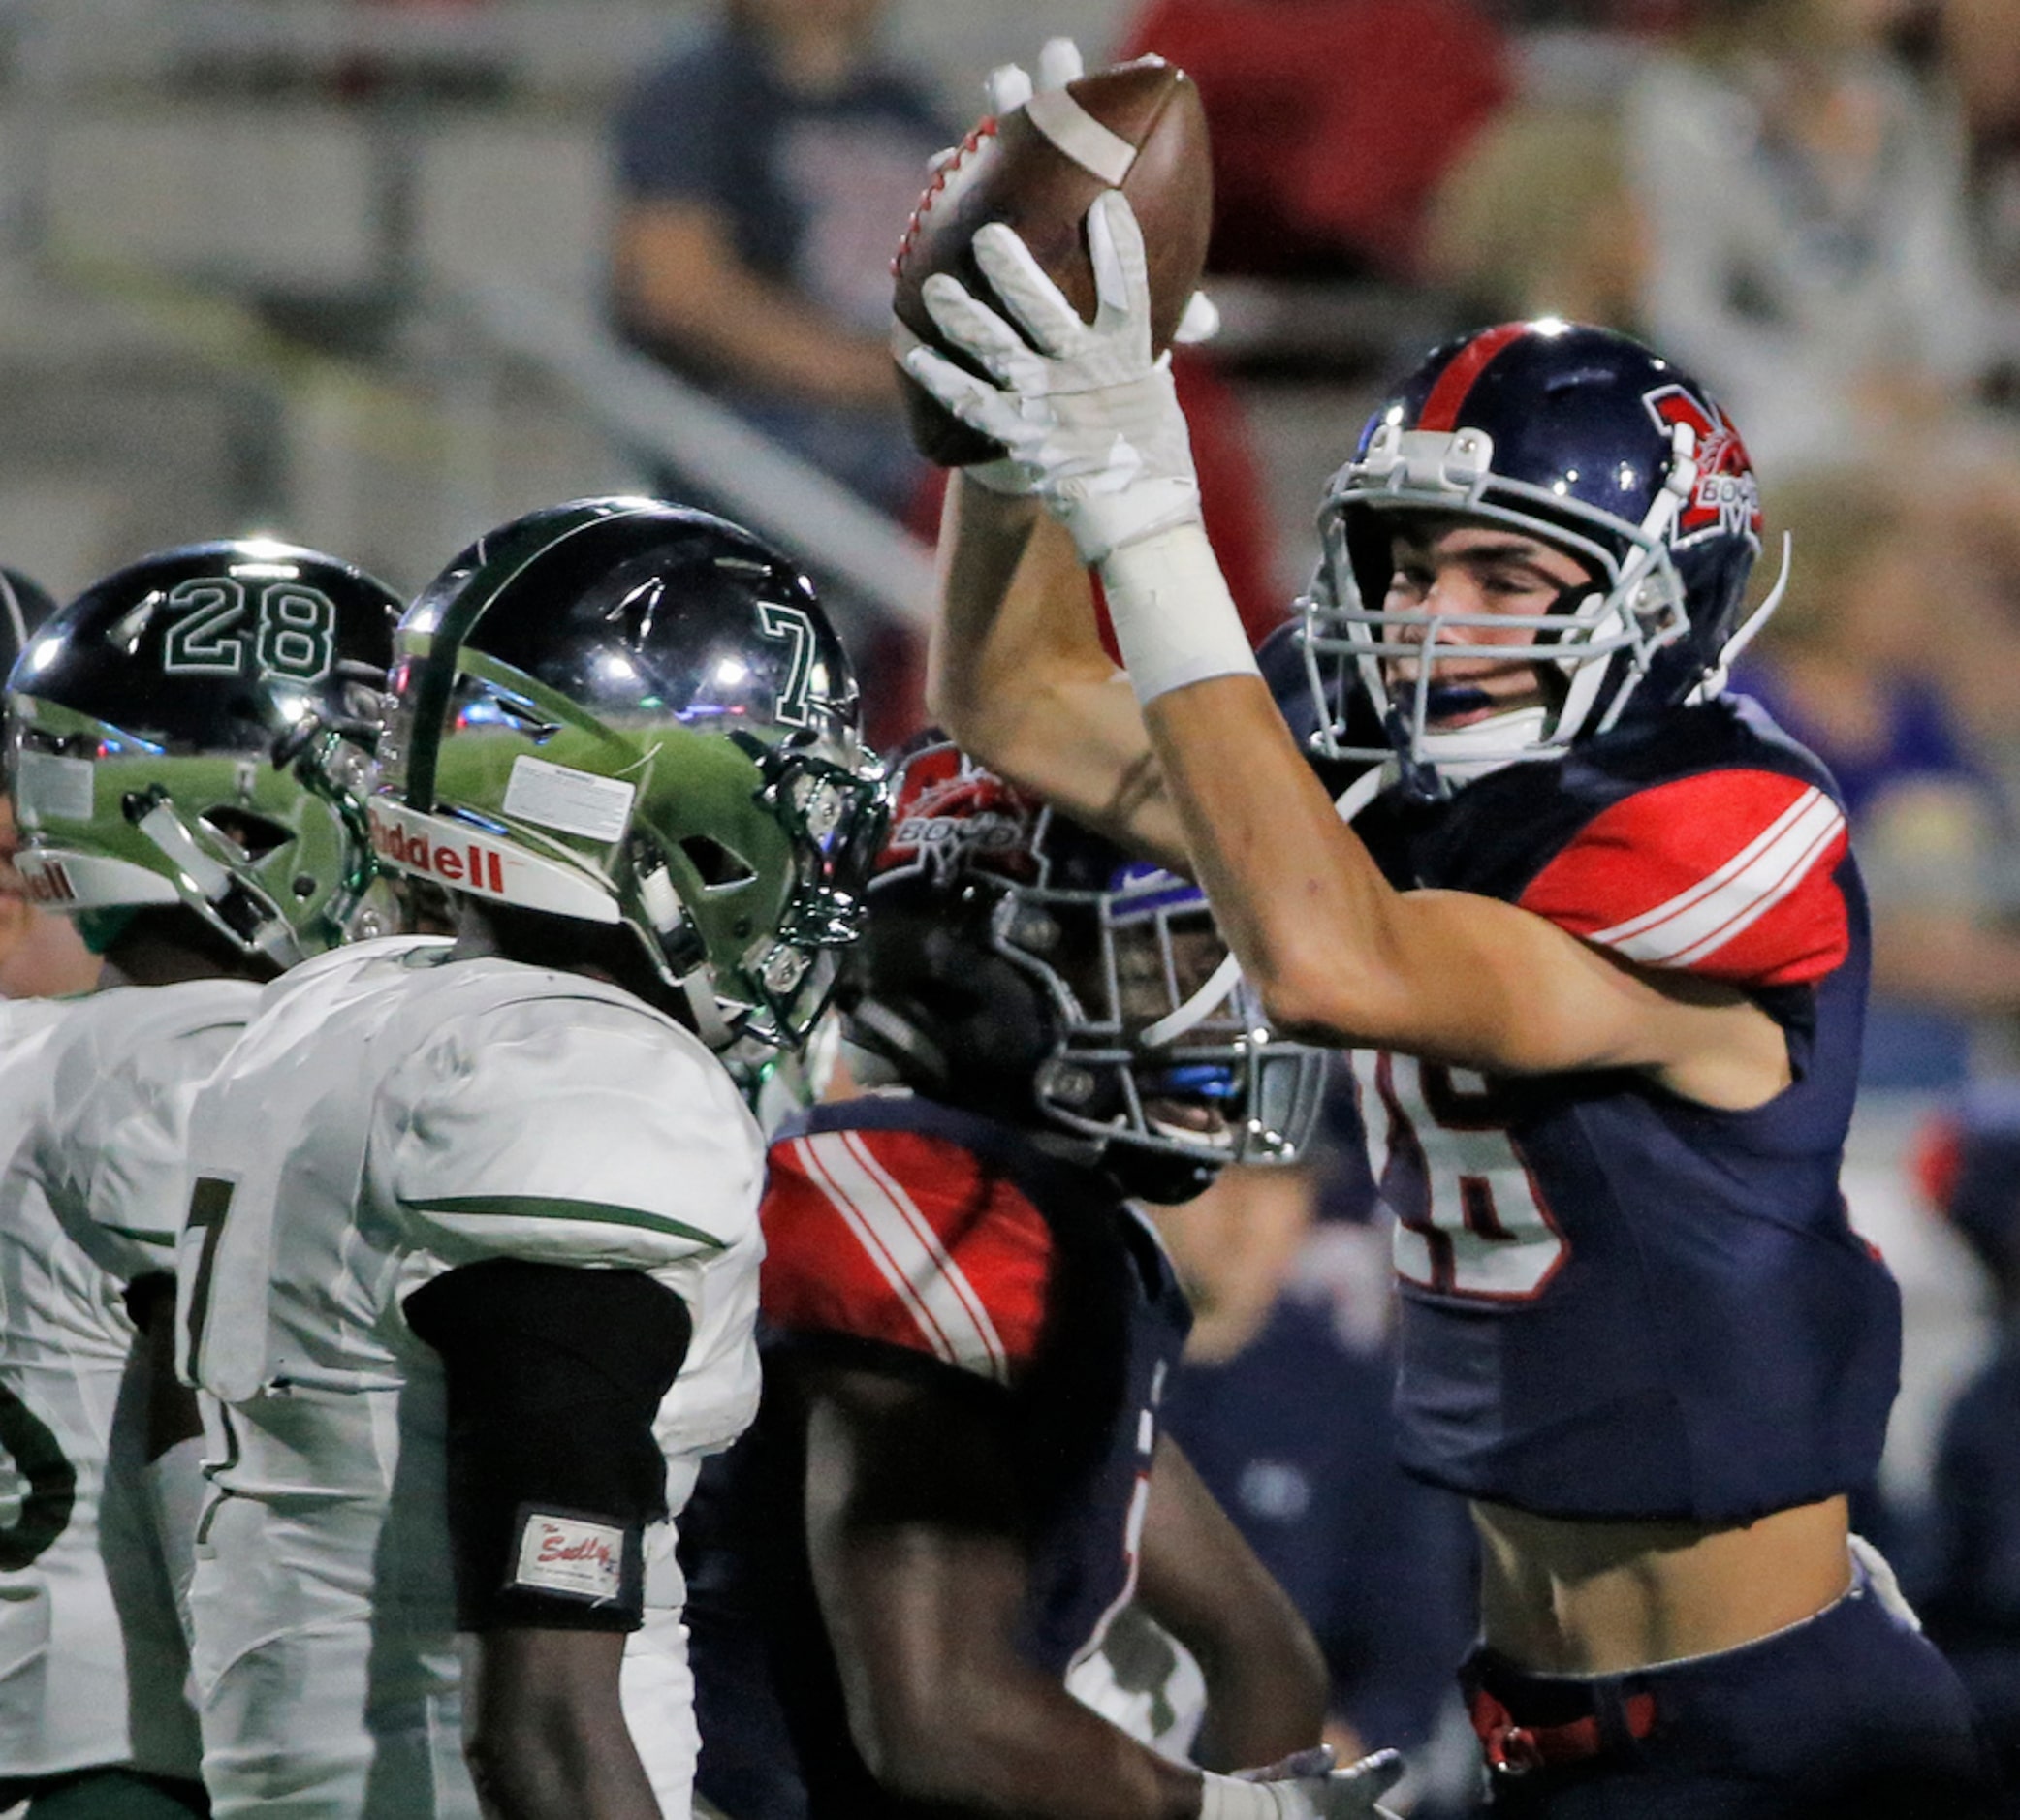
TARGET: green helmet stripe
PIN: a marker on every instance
(532, 1207)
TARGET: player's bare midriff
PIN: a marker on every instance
(1594, 1598)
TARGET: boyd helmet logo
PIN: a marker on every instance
(952, 814)
(1726, 497)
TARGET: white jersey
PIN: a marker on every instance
(391, 1115)
(94, 1096)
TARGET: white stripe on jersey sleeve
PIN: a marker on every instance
(907, 1252)
(1698, 922)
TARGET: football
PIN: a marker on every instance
(1137, 127)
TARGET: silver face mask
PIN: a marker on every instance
(1119, 963)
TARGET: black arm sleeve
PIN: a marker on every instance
(553, 1377)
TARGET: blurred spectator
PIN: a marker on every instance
(1333, 121)
(1290, 1428)
(1642, 17)
(1809, 250)
(1971, 1597)
(1537, 218)
(1969, 500)
(1854, 666)
(764, 175)
(40, 954)
(1979, 43)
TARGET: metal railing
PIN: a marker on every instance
(672, 425)
(73, 62)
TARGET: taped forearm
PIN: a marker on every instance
(1175, 620)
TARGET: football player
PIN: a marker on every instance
(185, 743)
(472, 1255)
(950, 1490)
(1601, 956)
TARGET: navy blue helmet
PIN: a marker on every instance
(1579, 437)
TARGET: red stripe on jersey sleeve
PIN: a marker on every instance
(1728, 875)
(899, 1237)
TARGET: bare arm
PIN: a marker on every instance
(1342, 958)
(1018, 675)
(914, 1526)
(681, 277)
(544, 1731)
(1265, 1680)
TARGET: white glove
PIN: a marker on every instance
(1009, 87)
(1059, 62)
(1090, 419)
(1305, 1787)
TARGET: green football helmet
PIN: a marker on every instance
(631, 713)
(196, 729)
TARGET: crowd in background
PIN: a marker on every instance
(1814, 204)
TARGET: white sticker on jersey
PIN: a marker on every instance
(577, 802)
(571, 1555)
(48, 785)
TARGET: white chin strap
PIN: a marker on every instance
(1215, 993)
(1468, 753)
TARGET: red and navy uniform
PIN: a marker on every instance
(910, 1238)
(1619, 1303)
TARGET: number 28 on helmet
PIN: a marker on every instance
(1587, 441)
(196, 729)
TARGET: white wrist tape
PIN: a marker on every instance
(1225, 1797)
(1174, 618)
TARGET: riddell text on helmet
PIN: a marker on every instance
(474, 866)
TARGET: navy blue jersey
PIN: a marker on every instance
(1617, 1302)
(909, 1238)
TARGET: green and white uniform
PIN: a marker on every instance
(95, 1542)
(391, 1115)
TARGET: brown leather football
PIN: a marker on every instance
(1137, 127)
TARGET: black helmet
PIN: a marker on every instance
(638, 715)
(1020, 967)
(196, 729)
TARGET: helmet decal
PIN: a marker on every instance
(1726, 497)
(952, 816)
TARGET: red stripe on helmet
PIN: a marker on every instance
(1447, 398)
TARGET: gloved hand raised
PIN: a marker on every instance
(1087, 414)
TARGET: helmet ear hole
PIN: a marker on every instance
(717, 867)
(255, 835)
